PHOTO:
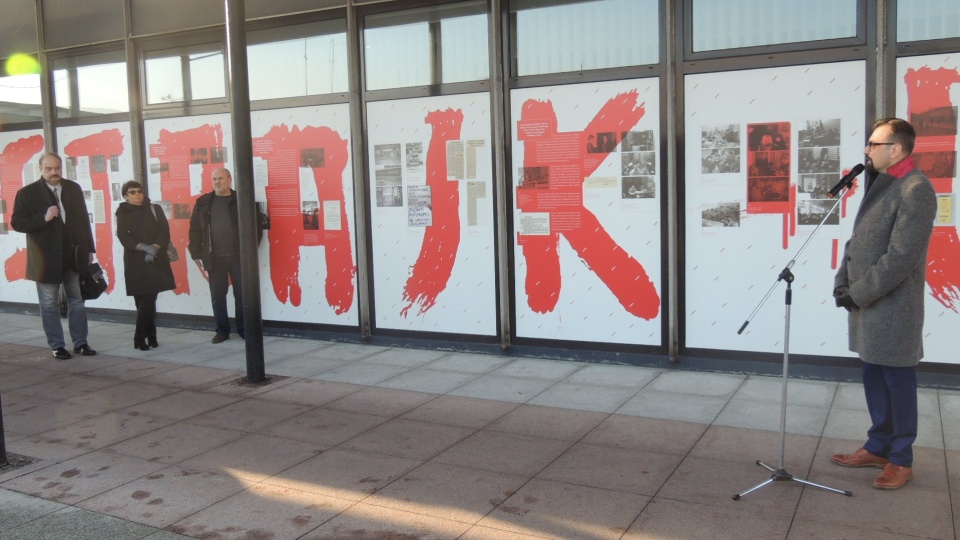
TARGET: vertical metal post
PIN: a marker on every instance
(134, 99)
(502, 179)
(246, 202)
(3, 442)
(47, 102)
(357, 142)
(673, 26)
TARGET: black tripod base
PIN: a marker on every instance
(781, 475)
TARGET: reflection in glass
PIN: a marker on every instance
(101, 83)
(750, 23)
(20, 99)
(310, 65)
(932, 19)
(207, 75)
(584, 35)
(435, 45)
(202, 68)
(398, 56)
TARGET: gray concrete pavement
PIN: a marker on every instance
(368, 442)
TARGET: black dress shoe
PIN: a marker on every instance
(61, 354)
(140, 343)
(84, 350)
(152, 342)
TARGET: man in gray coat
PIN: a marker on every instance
(881, 283)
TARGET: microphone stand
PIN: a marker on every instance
(780, 473)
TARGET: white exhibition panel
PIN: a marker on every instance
(762, 148)
(431, 211)
(100, 159)
(19, 152)
(587, 198)
(928, 94)
(181, 155)
(303, 169)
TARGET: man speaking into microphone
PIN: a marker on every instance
(881, 284)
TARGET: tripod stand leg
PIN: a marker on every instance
(827, 488)
(754, 488)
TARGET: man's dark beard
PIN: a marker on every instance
(868, 165)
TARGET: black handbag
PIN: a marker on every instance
(92, 282)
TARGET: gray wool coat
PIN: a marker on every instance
(884, 265)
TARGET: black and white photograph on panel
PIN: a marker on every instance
(817, 186)
(414, 156)
(722, 214)
(638, 163)
(824, 159)
(638, 187)
(812, 212)
(720, 136)
(822, 132)
(637, 141)
(720, 161)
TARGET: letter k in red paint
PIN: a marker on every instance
(560, 165)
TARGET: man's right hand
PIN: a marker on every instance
(52, 212)
(199, 263)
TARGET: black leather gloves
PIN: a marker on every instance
(842, 297)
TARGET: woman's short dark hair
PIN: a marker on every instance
(130, 184)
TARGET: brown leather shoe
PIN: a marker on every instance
(860, 458)
(219, 338)
(893, 477)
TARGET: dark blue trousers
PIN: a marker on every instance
(892, 401)
(224, 268)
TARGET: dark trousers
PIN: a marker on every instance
(892, 401)
(146, 316)
(224, 268)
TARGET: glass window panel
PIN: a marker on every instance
(310, 59)
(920, 20)
(402, 48)
(398, 56)
(18, 28)
(268, 8)
(153, 16)
(202, 67)
(557, 37)
(164, 80)
(750, 23)
(207, 75)
(20, 99)
(101, 82)
(68, 23)
(465, 48)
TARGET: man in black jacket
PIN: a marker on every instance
(53, 214)
(215, 247)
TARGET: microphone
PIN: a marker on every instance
(847, 180)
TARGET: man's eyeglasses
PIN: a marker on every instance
(134, 192)
(871, 145)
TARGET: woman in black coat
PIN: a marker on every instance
(143, 230)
